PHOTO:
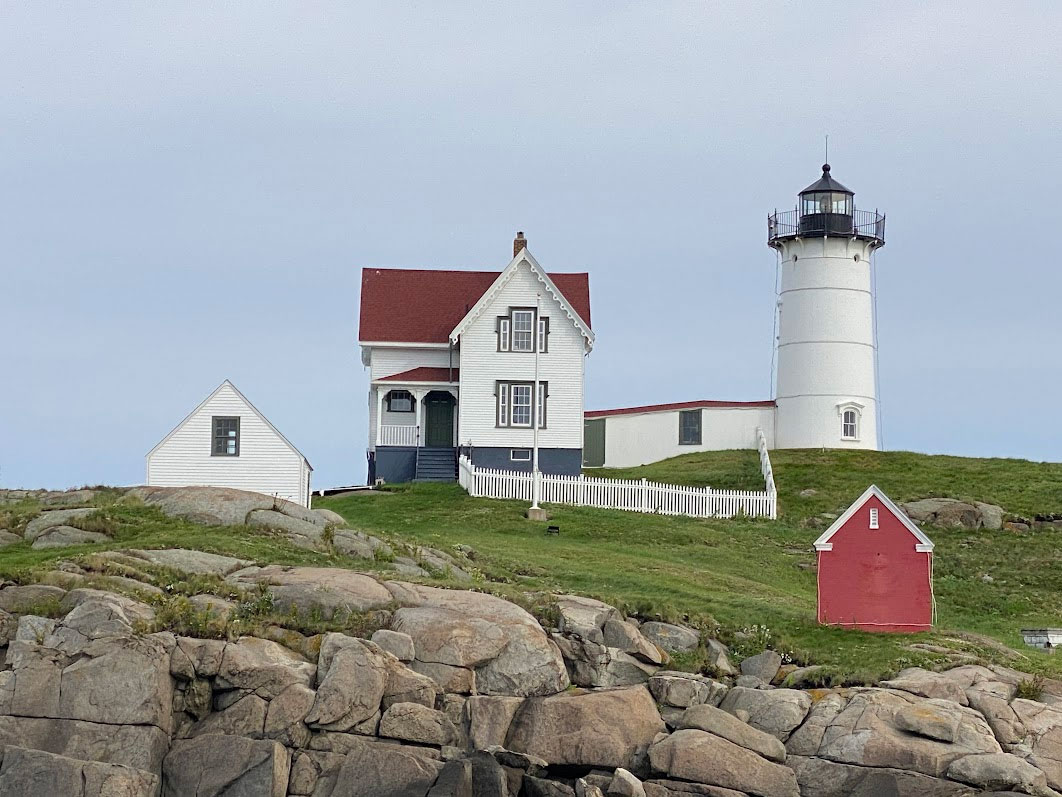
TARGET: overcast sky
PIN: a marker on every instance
(188, 193)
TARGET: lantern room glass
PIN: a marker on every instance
(826, 202)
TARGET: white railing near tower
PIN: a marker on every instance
(633, 495)
(767, 471)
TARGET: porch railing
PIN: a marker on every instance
(392, 435)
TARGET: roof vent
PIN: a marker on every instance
(519, 242)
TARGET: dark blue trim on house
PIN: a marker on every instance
(393, 464)
(563, 461)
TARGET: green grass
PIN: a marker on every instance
(736, 574)
(748, 581)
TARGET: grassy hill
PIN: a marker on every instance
(753, 580)
(749, 582)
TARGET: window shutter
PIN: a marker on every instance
(503, 404)
(503, 334)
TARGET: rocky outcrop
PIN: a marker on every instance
(499, 646)
(949, 512)
(608, 728)
(461, 693)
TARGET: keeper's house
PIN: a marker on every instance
(875, 569)
(473, 361)
(227, 442)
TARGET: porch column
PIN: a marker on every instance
(418, 397)
(379, 415)
(453, 391)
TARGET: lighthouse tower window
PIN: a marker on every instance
(850, 425)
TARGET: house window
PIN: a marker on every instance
(520, 455)
(400, 401)
(521, 331)
(521, 400)
(873, 518)
(523, 324)
(850, 425)
(690, 428)
(515, 404)
(226, 436)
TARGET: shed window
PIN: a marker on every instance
(850, 425)
(690, 428)
(873, 518)
(400, 401)
(226, 436)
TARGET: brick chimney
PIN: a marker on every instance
(519, 242)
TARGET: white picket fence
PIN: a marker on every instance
(633, 495)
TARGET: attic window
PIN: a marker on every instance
(226, 436)
(873, 518)
(523, 327)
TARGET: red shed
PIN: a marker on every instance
(875, 569)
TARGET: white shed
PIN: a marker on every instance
(227, 442)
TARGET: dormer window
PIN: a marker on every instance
(521, 331)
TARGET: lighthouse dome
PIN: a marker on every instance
(826, 183)
(826, 206)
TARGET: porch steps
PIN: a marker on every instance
(436, 465)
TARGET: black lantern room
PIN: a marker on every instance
(826, 207)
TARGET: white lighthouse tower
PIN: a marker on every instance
(825, 383)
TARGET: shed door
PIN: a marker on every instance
(594, 443)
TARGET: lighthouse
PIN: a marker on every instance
(826, 358)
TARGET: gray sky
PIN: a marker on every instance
(189, 191)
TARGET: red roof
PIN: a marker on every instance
(424, 306)
(424, 374)
(682, 405)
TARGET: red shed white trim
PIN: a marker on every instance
(875, 569)
(924, 544)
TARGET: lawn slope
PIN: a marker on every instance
(756, 577)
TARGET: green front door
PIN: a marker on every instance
(594, 443)
(439, 417)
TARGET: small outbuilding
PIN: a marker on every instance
(227, 442)
(875, 569)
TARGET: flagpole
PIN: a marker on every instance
(536, 478)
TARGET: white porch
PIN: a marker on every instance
(411, 415)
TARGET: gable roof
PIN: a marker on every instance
(681, 405)
(524, 256)
(251, 406)
(424, 306)
(924, 544)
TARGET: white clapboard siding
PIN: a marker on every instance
(267, 462)
(482, 365)
(391, 360)
(633, 439)
(633, 495)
